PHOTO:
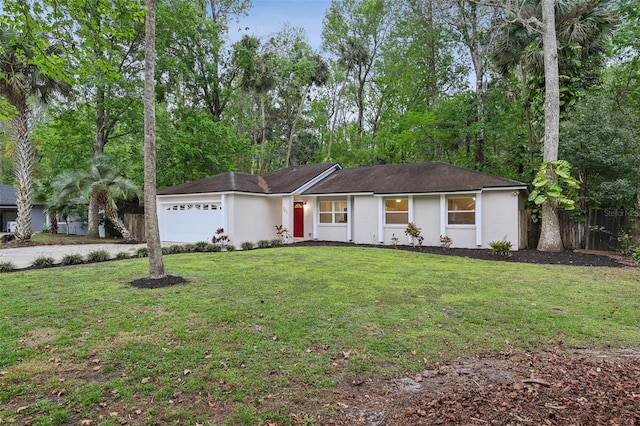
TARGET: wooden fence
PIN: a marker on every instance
(600, 231)
(135, 224)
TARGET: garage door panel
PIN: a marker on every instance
(191, 222)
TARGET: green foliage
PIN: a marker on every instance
(263, 244)
(247, 245)
(230, 247)
(72, 259)
(636, 255)
(142, 252)
(276, 242)
(501, 248)
(43, 262)
(7, 267)
(98, 256)
(599, 140)
(122, 255)
(553, 181)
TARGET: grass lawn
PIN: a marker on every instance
(263, 336)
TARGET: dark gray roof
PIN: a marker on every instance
(414, 178)
(7, 195)
(278, 182)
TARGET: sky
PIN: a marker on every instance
(267, 17)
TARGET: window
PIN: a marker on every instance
(396, 211)
(333, 212)
(461, 211)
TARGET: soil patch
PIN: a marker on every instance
(567, 257)
(166, 281)
(579, 387)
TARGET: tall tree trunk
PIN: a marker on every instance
(151, 229)
(25, 163)
(550, 238)
(112, 215)
(93, 225)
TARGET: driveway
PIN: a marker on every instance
(23, 257)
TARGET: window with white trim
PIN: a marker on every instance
(332, 212)
(396, 211)
(461, 210)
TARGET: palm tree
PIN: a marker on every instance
(20, 80)
(105, 180)
(54, 207)
(152, 232)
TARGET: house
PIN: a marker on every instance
(363, 205)
(9, 211)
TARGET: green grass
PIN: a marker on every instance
(257, 335)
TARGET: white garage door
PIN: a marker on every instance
(190, 222)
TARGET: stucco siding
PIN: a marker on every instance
(427, 216)
(500, 217)
(254, 218)
(365, 219)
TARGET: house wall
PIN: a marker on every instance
(500, 217)
(253, 218)
(427, 216)
(365, 219)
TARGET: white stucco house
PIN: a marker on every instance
(363, 205)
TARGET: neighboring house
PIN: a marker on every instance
(9, 211)
(363, 205)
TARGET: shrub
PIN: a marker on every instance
(142, 252)
(501, 248)
(264, 244)
(247, 245)
(43, 262)
(176, 249)
(230, 247)
(219, 238)
(123, 255)
(72, 259)
(636, 255)
(415, 233)
(213, 248)
(283, 234)
(7, 266)
(445, 241)
(394, 241)
(625, 244)
(276, 242)
(189, 248)
(98, 256)
(201, 246)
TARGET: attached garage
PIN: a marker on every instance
(190, 222)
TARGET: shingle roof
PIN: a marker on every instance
(7, 195)
(278, 182)
(414, 178)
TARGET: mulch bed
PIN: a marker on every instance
(567, 257)
(578, 387)
(151, 283)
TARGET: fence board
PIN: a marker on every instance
(135, 224)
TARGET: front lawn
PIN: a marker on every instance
(263, 336)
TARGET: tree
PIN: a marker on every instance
(151, 230)
(105, 181)
(21, 79)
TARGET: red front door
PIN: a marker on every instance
(298, 219)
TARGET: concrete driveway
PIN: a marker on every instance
(23, 257)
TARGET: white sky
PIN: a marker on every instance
(268, 16)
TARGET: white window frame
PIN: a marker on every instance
(474, 211)
(334, 211)
(408, 211)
